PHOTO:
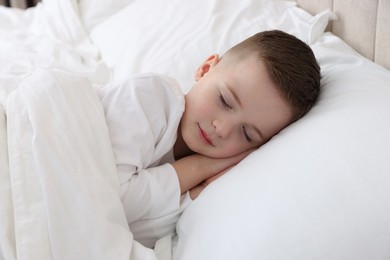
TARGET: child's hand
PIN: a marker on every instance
(239, 157)
(194, 192)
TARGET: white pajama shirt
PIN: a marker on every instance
(143, 115)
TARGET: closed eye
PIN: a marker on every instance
(223, 102)
(247, 137)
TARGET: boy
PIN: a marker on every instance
(166, 144)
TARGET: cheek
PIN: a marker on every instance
(233, 148)
(204, 107)
(199, 104)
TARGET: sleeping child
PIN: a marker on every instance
(168, 146)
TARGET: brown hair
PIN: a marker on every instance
(290, 63)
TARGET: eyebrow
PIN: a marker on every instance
(237, 99)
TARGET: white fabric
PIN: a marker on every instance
(93, 14)
(59, 194)
(7, 232)
(143, 114)
(47, 36)
(318, 190)
(175, 37)
(63, 176)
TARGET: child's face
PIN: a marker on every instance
(231, 109)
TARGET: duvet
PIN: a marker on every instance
(59, 187)
(59, 196)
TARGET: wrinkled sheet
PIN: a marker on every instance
(59, 195)
(63, 186)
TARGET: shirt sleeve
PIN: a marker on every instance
(155, 213)
(151, 193)
(142, 116)
(148, 231)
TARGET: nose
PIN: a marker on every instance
(223, 128)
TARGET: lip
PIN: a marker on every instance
(203, 136)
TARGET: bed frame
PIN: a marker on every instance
(363, 24)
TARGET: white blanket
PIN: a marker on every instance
(58, 185)
(60, 194)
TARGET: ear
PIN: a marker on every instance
(206, 66)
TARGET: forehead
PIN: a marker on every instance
(249, 76)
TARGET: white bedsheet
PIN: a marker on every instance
(65, 191)
(58, 186)
(62, 173)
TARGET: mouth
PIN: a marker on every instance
(204, 137)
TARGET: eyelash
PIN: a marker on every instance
(223, 102)
(246, 134)
(226, 105)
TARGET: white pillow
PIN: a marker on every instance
(94, 12)
(175, 37)
(318, 190)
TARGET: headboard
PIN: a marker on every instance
(363, 24)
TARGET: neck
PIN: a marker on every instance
(180, 148)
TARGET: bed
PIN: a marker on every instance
(317, 190)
